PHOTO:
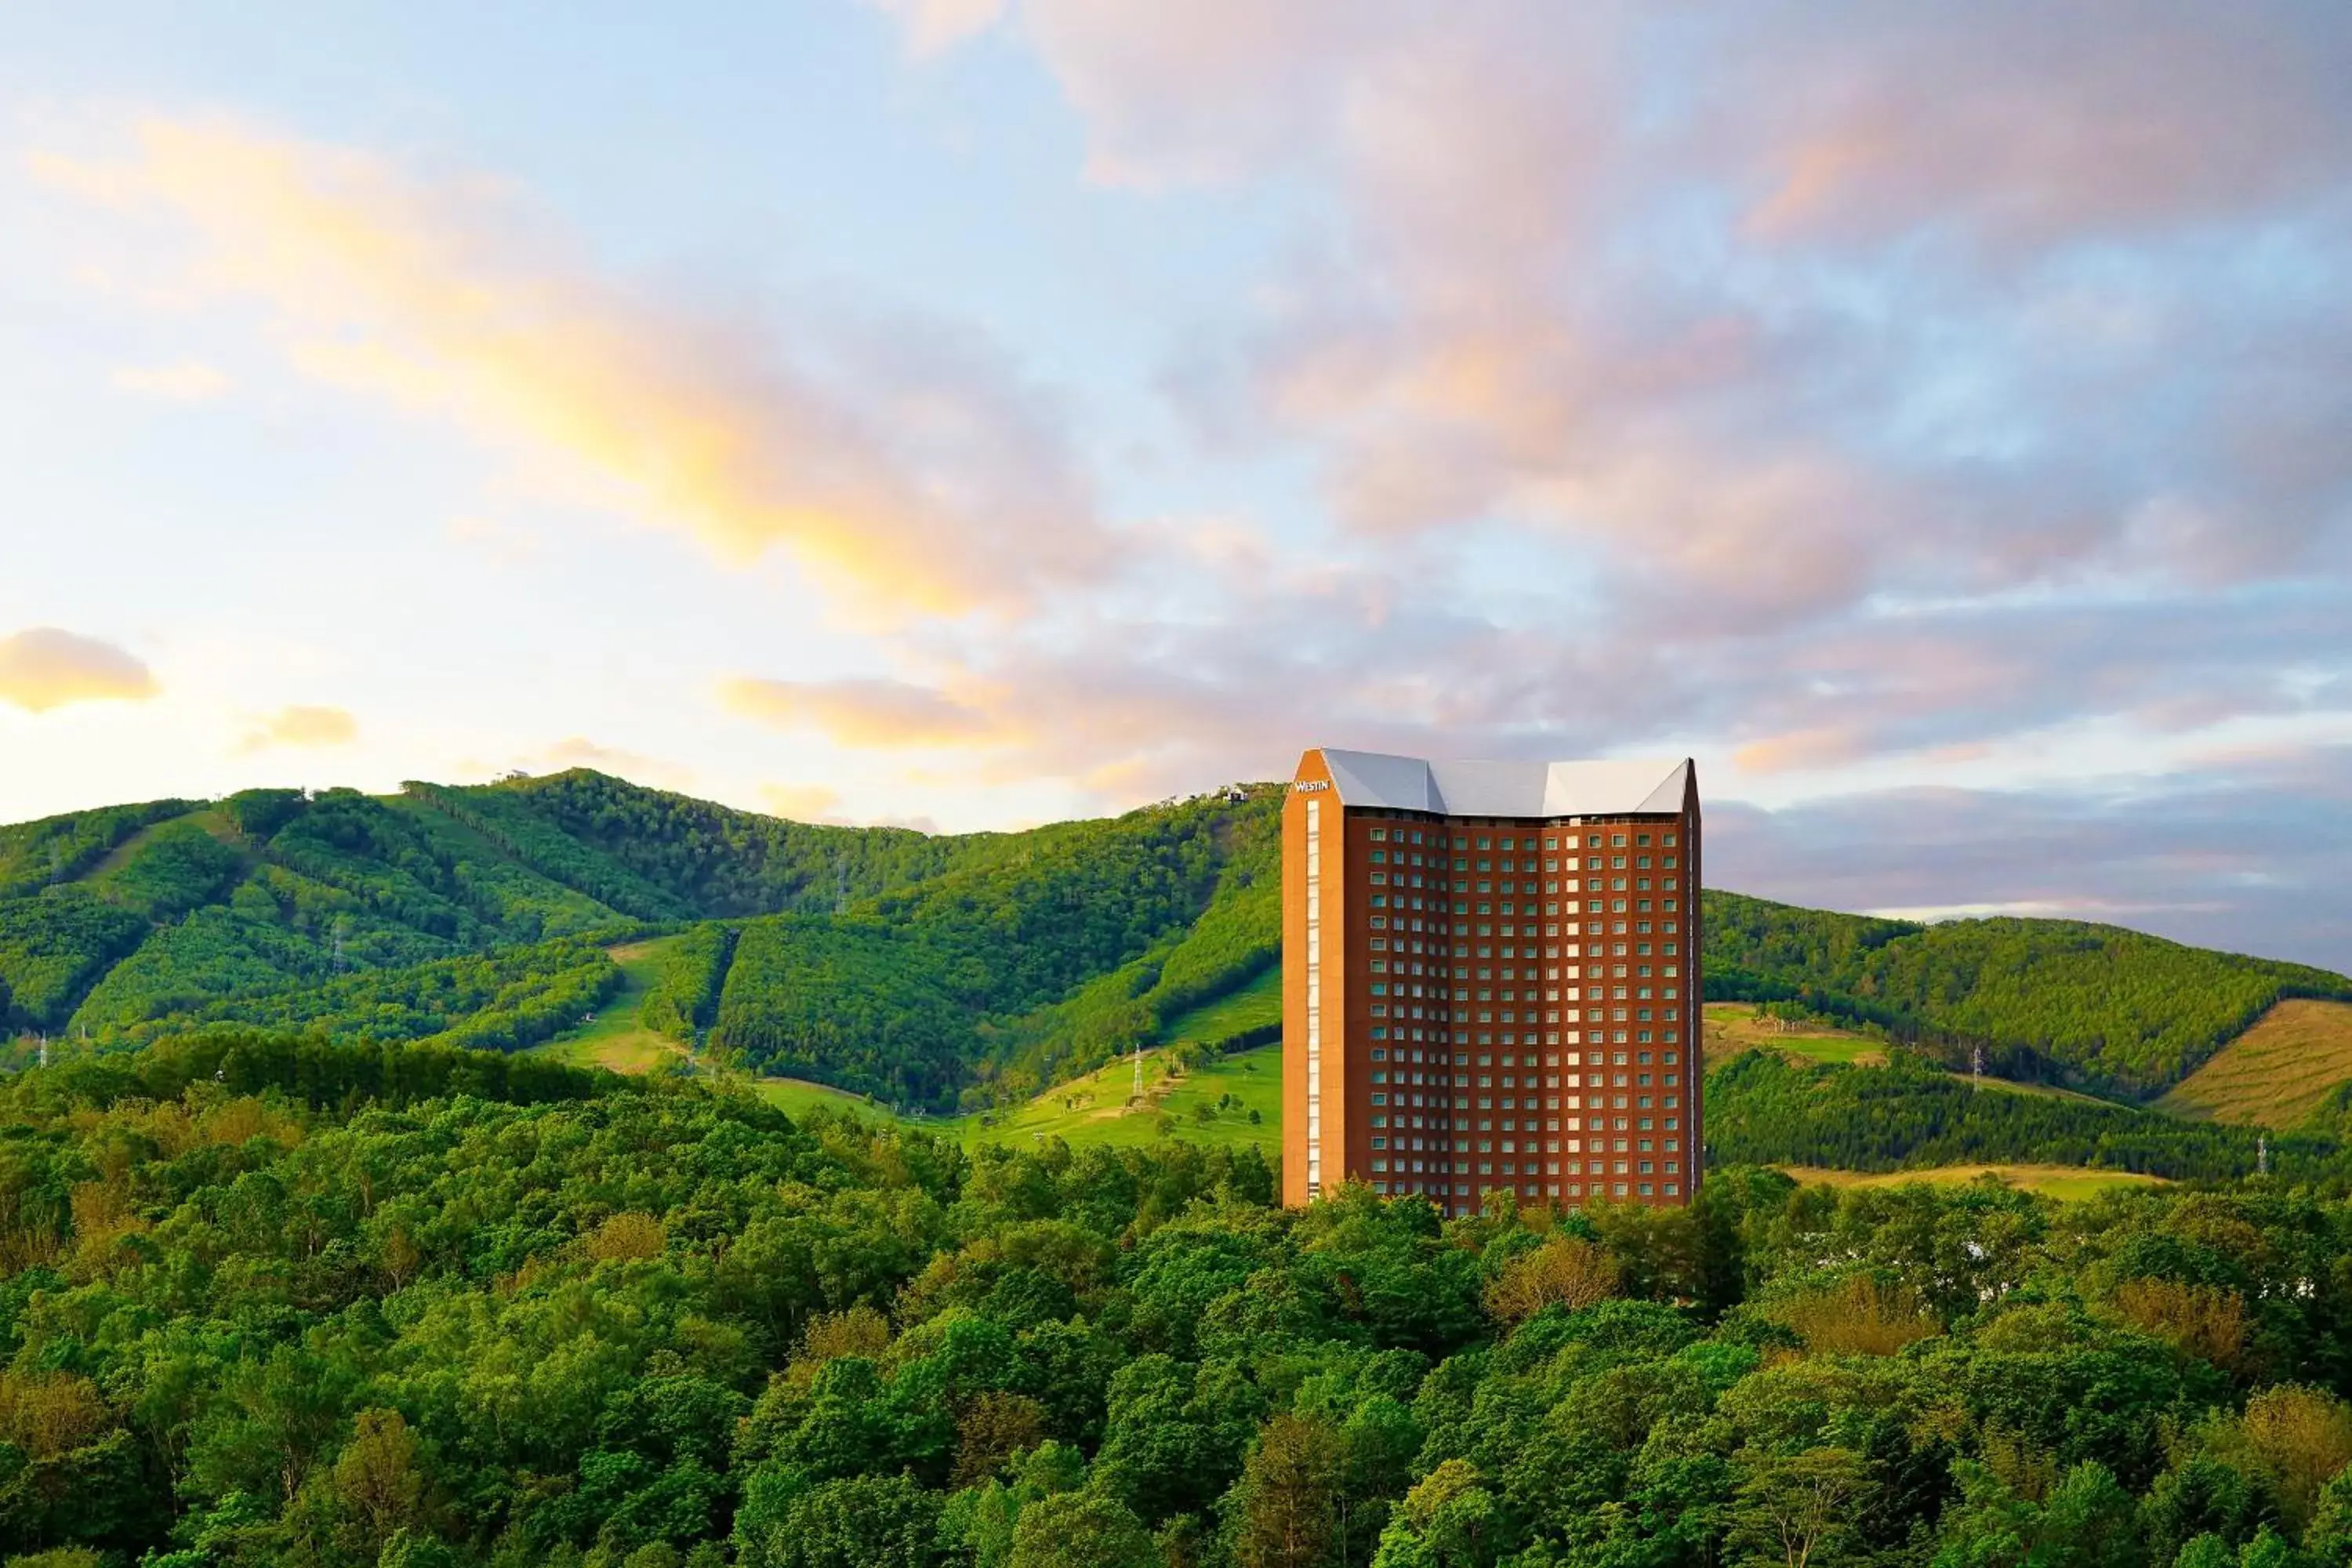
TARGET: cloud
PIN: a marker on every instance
(2114, 117)
(802, 803)
(579, 751)
(302, 726)
(1743, 312)
(2248, 858)
(900, 461)
(43, 668)
(933, 26)
(1822, 746)
(1845, 385)
(188, 381)
(875, 713)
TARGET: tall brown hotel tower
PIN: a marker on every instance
(1490, 979)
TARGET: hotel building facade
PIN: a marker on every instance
(1491, 979)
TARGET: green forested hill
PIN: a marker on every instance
(2095, 1005)
(928, 970)
(922, 968)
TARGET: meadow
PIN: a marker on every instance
(2276, 1073)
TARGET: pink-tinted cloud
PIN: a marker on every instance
(1778, 309)
(2238, 857)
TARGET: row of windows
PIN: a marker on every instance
(1532, 1191)
(1596, 1167)
(1551, 1059)
(1436, 988)
(1527, 891)
(1486, 842)
(1462, 1146)
(1551, 866)
(1550, 1127)
(1400, 945)
(1550, 1036)
(1380, 952)
(1591, 906)
(1456, 1104)
(1381, 921)
(1576, 1145)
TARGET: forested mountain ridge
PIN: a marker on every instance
(2099, 1006)
(929, 970)
(912, 965)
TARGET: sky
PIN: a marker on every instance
(1935, 420)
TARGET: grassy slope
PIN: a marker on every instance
(121, 854)
(2067, 1182)
(1734, 1026)
(617, 1039)
(1095, 1109)
(2276, 1073)
(1257, 1004)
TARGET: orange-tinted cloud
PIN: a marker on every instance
(579, 752)
(883, 714)
(1826, 746)
(904, 465)
(801, 803)
(302, 725)
(44, 667)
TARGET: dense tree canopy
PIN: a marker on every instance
(1763, 1108)
(263, 1303)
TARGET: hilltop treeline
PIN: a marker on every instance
(265, 1304)
(922, 968)
(1009, 976)
(2099, 1006)
(929, 970)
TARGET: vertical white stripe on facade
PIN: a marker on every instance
(1314, 997)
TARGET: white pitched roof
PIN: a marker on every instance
(1508, 789)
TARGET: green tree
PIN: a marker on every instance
(1288, 1502)
(1081, 1530)
(1800, 1509)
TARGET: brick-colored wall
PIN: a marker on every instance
(1526, 1117)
